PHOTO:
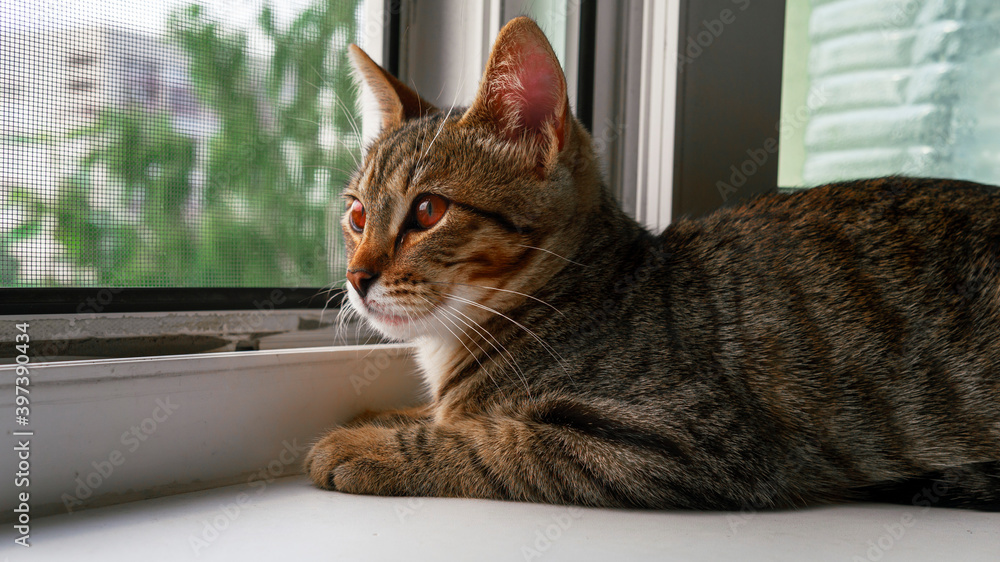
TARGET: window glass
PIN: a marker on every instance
(174, 143)
(880, 87)
(551, 16)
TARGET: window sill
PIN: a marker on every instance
(116, 430)
(67, 337)
(289, 517)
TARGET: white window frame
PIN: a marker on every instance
(112, 430)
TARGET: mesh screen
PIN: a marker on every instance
(173, 143)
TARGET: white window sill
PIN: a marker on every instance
(115, 430)
(291, 519)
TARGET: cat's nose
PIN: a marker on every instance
(361, 279)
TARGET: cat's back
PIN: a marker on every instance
(865, 206)
(891, 229)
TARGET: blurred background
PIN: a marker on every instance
(878, 87)
(166, 144)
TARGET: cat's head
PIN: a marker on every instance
(455, 215)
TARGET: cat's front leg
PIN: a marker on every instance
(393, 418)
(359, 458)
(493, 458)
(416, 459)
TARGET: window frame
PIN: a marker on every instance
(210, 420)
(83, 300)
(714, 138)
(134, 306)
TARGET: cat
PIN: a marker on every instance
(831, 345)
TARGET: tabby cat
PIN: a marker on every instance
(831, 345)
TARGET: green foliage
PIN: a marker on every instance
(136, 235)
(247, 204)
(266, 202)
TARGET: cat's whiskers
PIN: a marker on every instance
(425, 322)
(349, 152)
(355, 318)
(371, 335)
(346, 312)
(431, 145)
(461, 341)
(536, 299)
(542, 342)
(553, 253)
(328, 167)
(357, 328)
(493, 342)
(489, 338)
(329, 297)
(329, 288)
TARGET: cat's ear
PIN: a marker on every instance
(385, 101)
(523, 91)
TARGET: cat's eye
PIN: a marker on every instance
(430, 209)
(356, 216)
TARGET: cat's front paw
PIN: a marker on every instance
(356, 460)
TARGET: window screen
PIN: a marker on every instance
(174, 143)
(880, 87)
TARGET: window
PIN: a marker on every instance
(728, 66)
(890, 87)
(174, 145)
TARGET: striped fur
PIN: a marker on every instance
(832, 345)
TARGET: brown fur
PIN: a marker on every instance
(835, 344)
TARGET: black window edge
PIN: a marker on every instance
(391, 36)
(585, 63)
(78, 300)
(728, 103)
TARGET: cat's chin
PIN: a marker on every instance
(396, 327)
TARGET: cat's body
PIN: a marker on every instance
(802, 348)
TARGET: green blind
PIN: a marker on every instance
(880, 87)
